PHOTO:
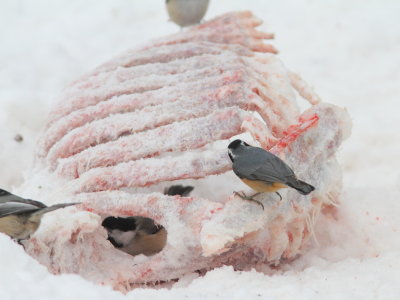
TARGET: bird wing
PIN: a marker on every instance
(16, 208)
(147, 226)
(272, 172)
(6, 197)
(262, 165)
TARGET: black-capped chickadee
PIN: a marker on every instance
(186, 12)
(135, 235)
(263, 171)
(178, 189)
(140, 235)
(19, 217)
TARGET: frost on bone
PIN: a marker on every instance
(277, 108)
(163, 54)
(163, 113)
(135, 85)
(307, 157)
(234, 232)
(231, 28)
(179, 65)
(179, 136)
(232, 33)
(202, 89)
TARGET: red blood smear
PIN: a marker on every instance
(293, 131)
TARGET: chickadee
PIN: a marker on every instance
(135, 235)
(19, 217)
(186, 12)
(179, 189)
(263, 171)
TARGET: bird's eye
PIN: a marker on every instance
(244, 143)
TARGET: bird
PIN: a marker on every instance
(135, 235)
(178, 189)
(263, 171)
(186, 12)
(19, 217)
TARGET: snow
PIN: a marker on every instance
(348, 50)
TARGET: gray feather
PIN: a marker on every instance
(16, 208)
(12, 204)
(147, 225)
(8, 197)
(258, 164)
(53, 207)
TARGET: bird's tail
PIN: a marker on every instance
(41, 212)
(302, 187)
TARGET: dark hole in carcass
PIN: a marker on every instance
(140, 235)
(180, 190)
(135, 235)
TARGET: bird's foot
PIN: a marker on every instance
(279, 195)
(241, 195)
(249, 198)
(21, 242)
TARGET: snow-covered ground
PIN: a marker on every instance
(348, 50)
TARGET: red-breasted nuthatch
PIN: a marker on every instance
(186, 12)
(263, 171)
(19, 217)
(135, 235)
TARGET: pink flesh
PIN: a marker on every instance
(115, 126)
(198, 222)
(178, 136)
(192, 165)
(279, 105)
(206, 88)
(176, 66)
(227, 33)
(165, 54)
(156, 115)
(227, 29)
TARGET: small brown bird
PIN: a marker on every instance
(263, 171)
(135, 235)
(186, 12)
(19, 217)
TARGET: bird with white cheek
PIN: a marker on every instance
(135, 235)
(140, 235)
(19, 217)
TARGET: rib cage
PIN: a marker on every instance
(159, 114)
(169, 82)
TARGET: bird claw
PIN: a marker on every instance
(243, 196)
(279, 195)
